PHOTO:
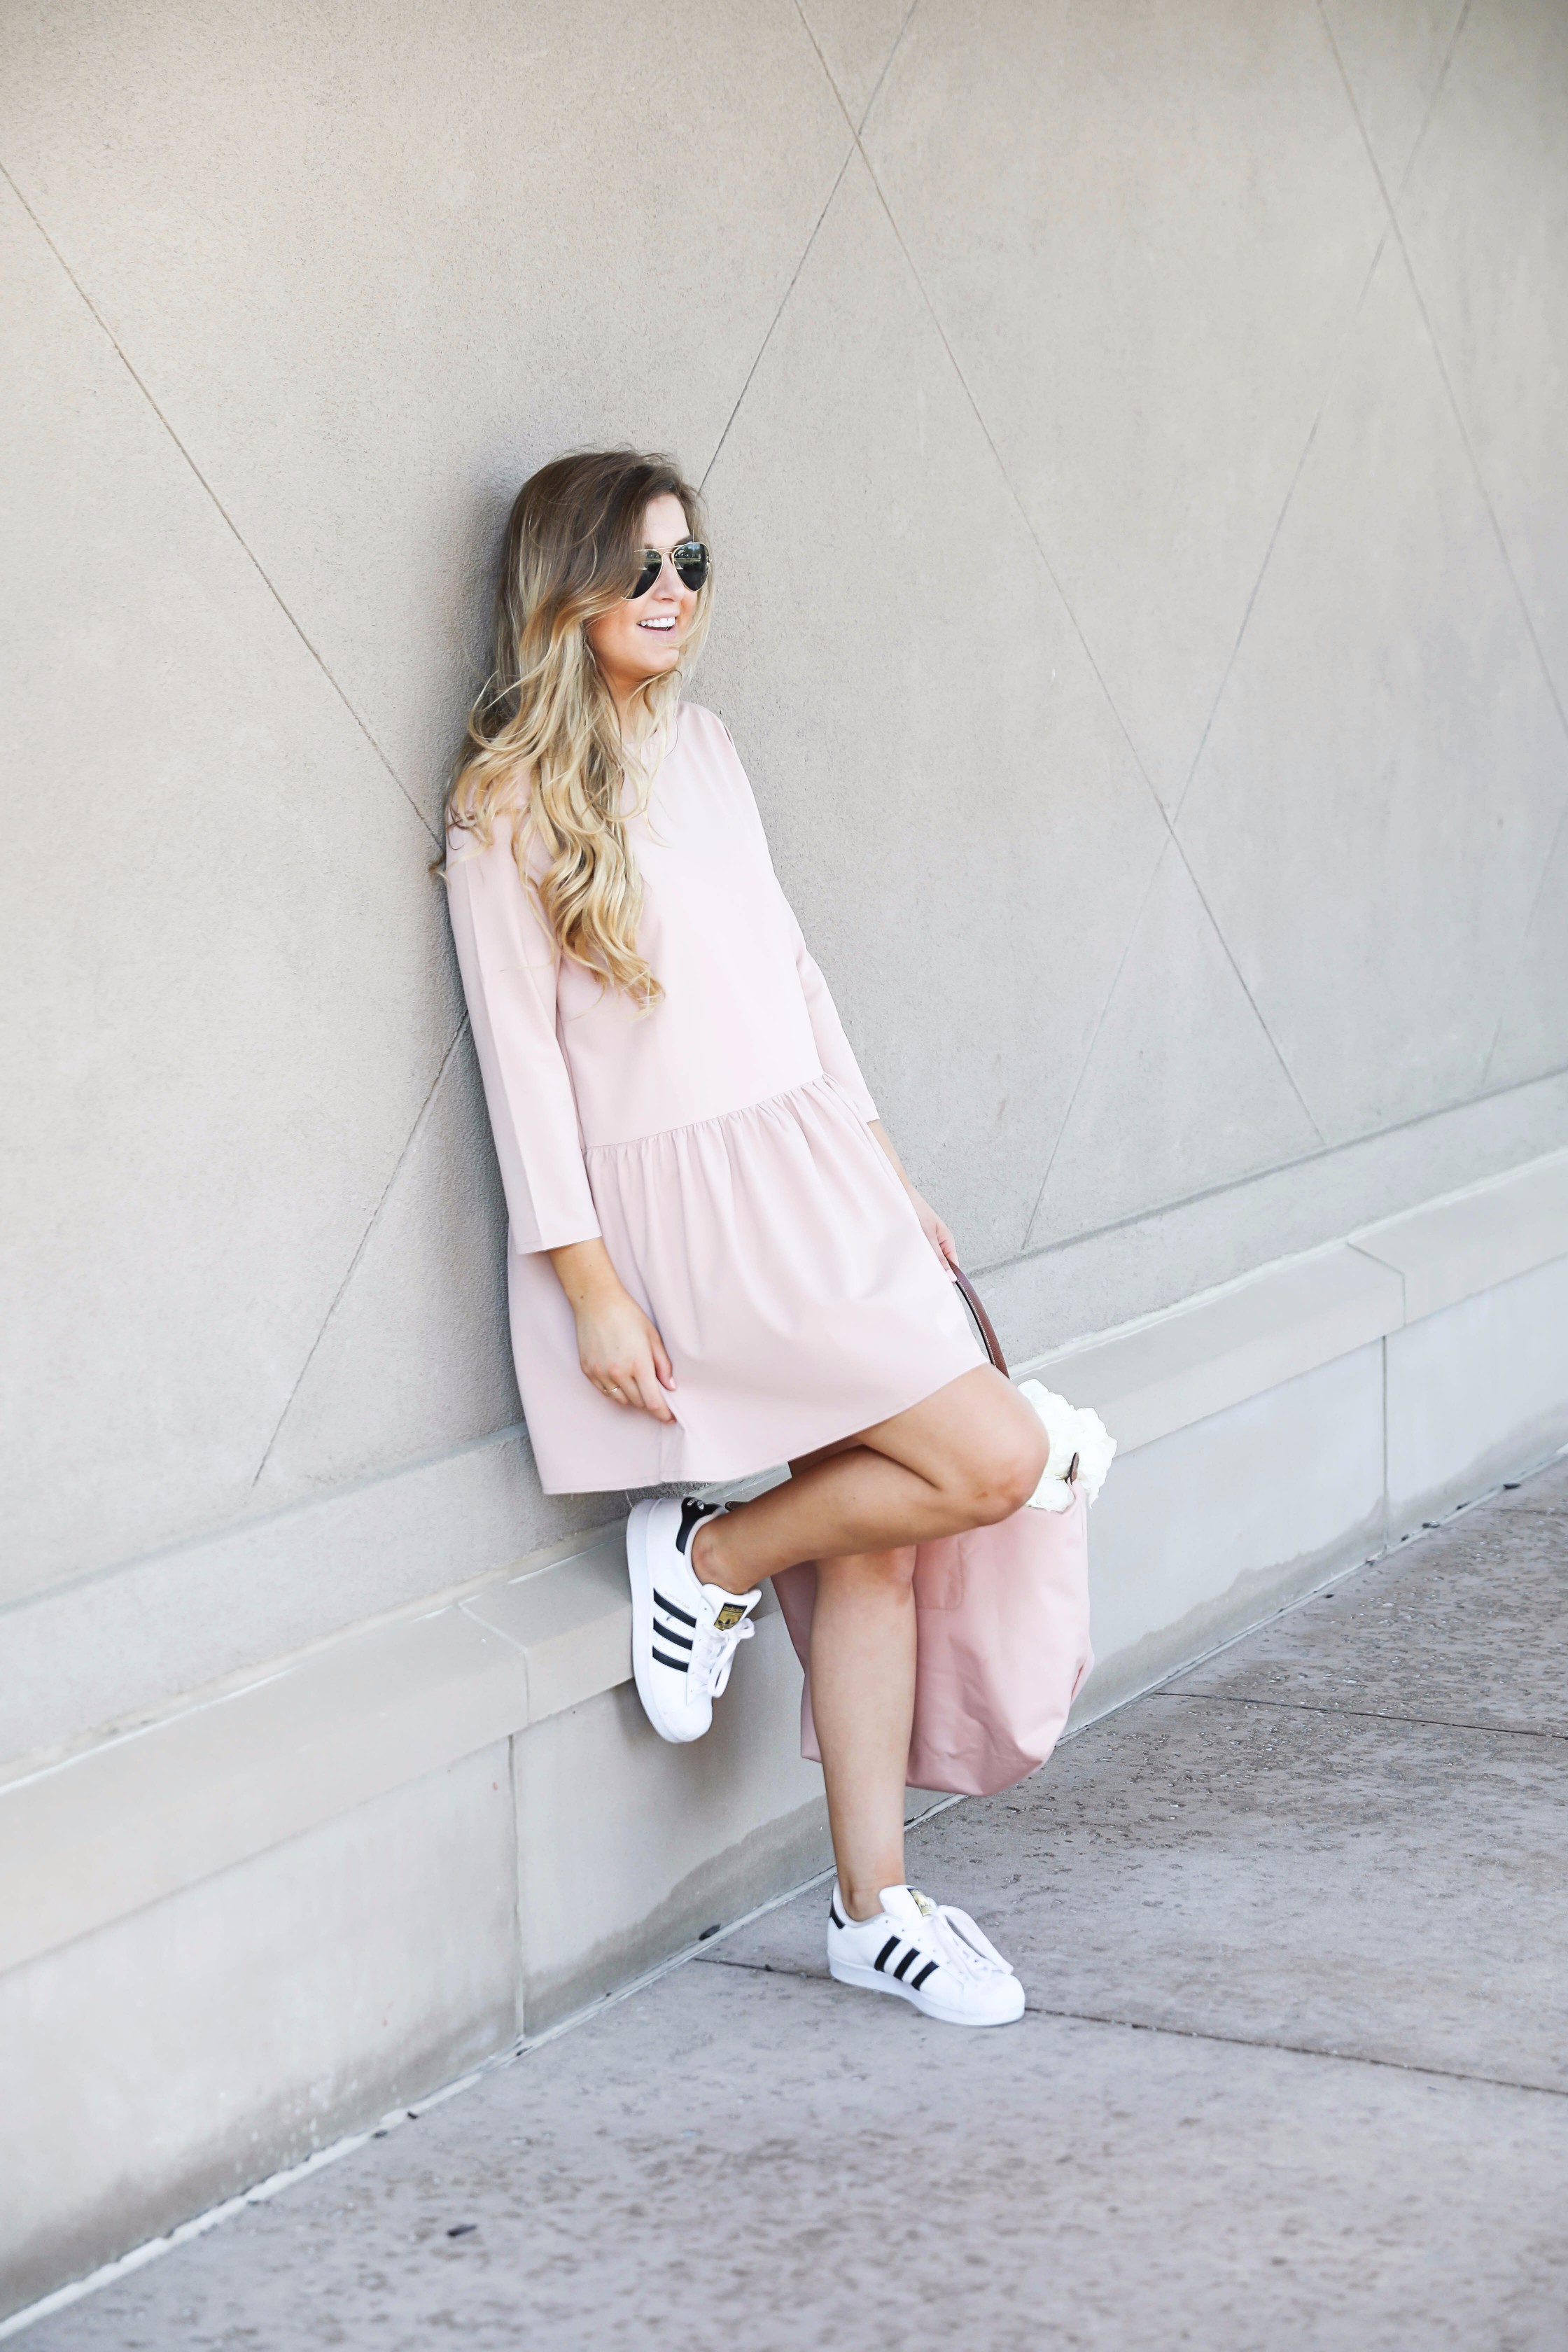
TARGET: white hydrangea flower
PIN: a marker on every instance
(1071, 1430)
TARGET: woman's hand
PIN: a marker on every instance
(932, 1225)
(934, 1230)
(617, 1347)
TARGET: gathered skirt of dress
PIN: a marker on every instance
(782, 1263)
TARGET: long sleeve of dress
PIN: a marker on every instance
(509, 963)
(834, 1050)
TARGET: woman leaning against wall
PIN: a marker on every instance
(717, 1261)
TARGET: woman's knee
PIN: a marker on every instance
(872, 1572)
(1004, 1470)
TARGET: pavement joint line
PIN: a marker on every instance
(1357, 1714)
(1205, 2033)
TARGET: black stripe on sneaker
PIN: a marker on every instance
(916, 1982)
(833, 1913)
(910, 1956)
(668, 1634)
(692, 1514)
(670, 1610)
(680, 1664)
(890, 1946)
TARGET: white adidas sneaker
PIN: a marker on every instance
(685, 1633)
(927, 1953)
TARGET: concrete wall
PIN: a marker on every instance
(1134, 441)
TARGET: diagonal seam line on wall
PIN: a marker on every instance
(832, 83)
(1278, 1168)
(1333, 365)
(1088, 1061)
(1067, 608)
(1526, 934)
(1390, 227)
(238, 536)
(420, 1121)
(1329, 379)
(778, 314)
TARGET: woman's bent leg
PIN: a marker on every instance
(862, 1702)
(965, 1457)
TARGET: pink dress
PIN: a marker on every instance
(719, 1144)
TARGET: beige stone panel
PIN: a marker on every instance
(629, 1846)
(1485, 219)
(1477, 1393)
(1144, 229)
(416, 1355)
(1133, 1269)
(111, 1650)
(1214, 1527)
(1532, 1035)
(1170, 1371)
(951, 806)
(224, 964)
(1183, 1090)
(377, 261)
(1387, 769)
(856, 38)
(176, 2058)
(1451, 1250)
(1394, 54)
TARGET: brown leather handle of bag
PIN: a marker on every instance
(988, 1333)
(983, 1321)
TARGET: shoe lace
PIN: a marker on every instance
(714, 1655)
(965, 1947)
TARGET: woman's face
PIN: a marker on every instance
(641, 638)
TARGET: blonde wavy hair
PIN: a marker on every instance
(543, 742)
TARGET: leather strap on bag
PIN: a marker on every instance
(983, 1322)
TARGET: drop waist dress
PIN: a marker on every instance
(719, 1144)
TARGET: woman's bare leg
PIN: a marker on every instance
(862, 1701)
(971, 1454)
(965, 1457)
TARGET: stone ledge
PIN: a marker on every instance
(1169, 1370)
(212, 1784)
(1449, 1249)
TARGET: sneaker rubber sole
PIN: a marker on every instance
(868, 1979)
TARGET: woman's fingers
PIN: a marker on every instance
(651, 1395)
(661, 1362)
(634, 1385)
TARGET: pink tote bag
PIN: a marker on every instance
(1002, 1617)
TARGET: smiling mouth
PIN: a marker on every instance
(661, 628)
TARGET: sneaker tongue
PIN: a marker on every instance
(907, 1905)
(731, 1612)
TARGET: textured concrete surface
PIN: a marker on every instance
(1133, 450)
(1294, 1936)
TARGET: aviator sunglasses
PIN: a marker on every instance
(691, 561)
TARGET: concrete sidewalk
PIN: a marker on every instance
(1294, 2073)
